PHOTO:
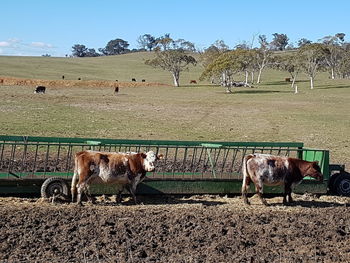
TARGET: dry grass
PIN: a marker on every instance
(270, 112)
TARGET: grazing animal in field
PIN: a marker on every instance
(143, 80)
(193, 81)
(276, 170)
(62, 76)
(40, 89)
(116, 89)
(79, 78)
(133, 79)
(287, 79)
(125, 170)
(238, 84)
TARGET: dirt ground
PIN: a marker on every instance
(10, 81)
(176, 229)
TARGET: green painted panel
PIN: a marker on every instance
(152, 187)
(26, 139)
(321, 156)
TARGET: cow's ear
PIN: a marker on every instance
(160, 156)
(143, 155)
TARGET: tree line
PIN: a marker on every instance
(330, 53)
(119, 46)
(223, 64)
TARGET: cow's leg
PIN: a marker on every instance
(80, 190)
(88, 182)
(259, 191)
(245, 187)
(119, 195)
(131, 190)
(287, 193)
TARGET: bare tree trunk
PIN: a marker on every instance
(252, 75)
(332, 73)
(176, 76)
(296, 89)
(246, 79)
(259, 75)
(294, 78)
(224, 81)
(312, 82)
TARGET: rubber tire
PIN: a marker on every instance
(54, 185)
(331, 185)
(342, 185)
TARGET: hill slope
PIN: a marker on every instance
(122, 67)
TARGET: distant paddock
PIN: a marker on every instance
(10, 81)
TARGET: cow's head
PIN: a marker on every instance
(149, 159)
(313, 170)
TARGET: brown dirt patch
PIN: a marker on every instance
(9, 81)
(176, 229)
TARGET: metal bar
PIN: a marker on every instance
(225, 155)
(184, 163)
(35, 156)
(174, 164)
(2, 152)
(46, 158)
(69, 156)
(24, 157)
(13, 150)
(165, 159)
(193, 160)
(144, 142)
(234, 155)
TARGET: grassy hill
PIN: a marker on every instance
(270, 112)
(122, 67)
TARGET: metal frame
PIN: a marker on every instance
(188, 167)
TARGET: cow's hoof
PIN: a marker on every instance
(265, 203)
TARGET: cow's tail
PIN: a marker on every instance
(246, 177)
(75, 180)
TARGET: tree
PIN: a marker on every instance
(312, 57)
(115, 47)
(91, 52)
(79, 50)
(147, 42)
(263, 54)
(280, 41)
(247, 61)
(230, 63)
(243, 45)
(174, 58)
(222, 67)
(213, 52)
(335, 51)
(344, 65)
(290, 63)
(303, 41)
(164, 42)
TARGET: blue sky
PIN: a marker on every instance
(37, 27)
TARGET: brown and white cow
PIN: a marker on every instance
(276, 170)
(125, 170)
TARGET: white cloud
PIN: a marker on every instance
(10, 43)
(18, 47)
(4, 44)
(41, 45)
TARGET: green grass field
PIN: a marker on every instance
(271, 112)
